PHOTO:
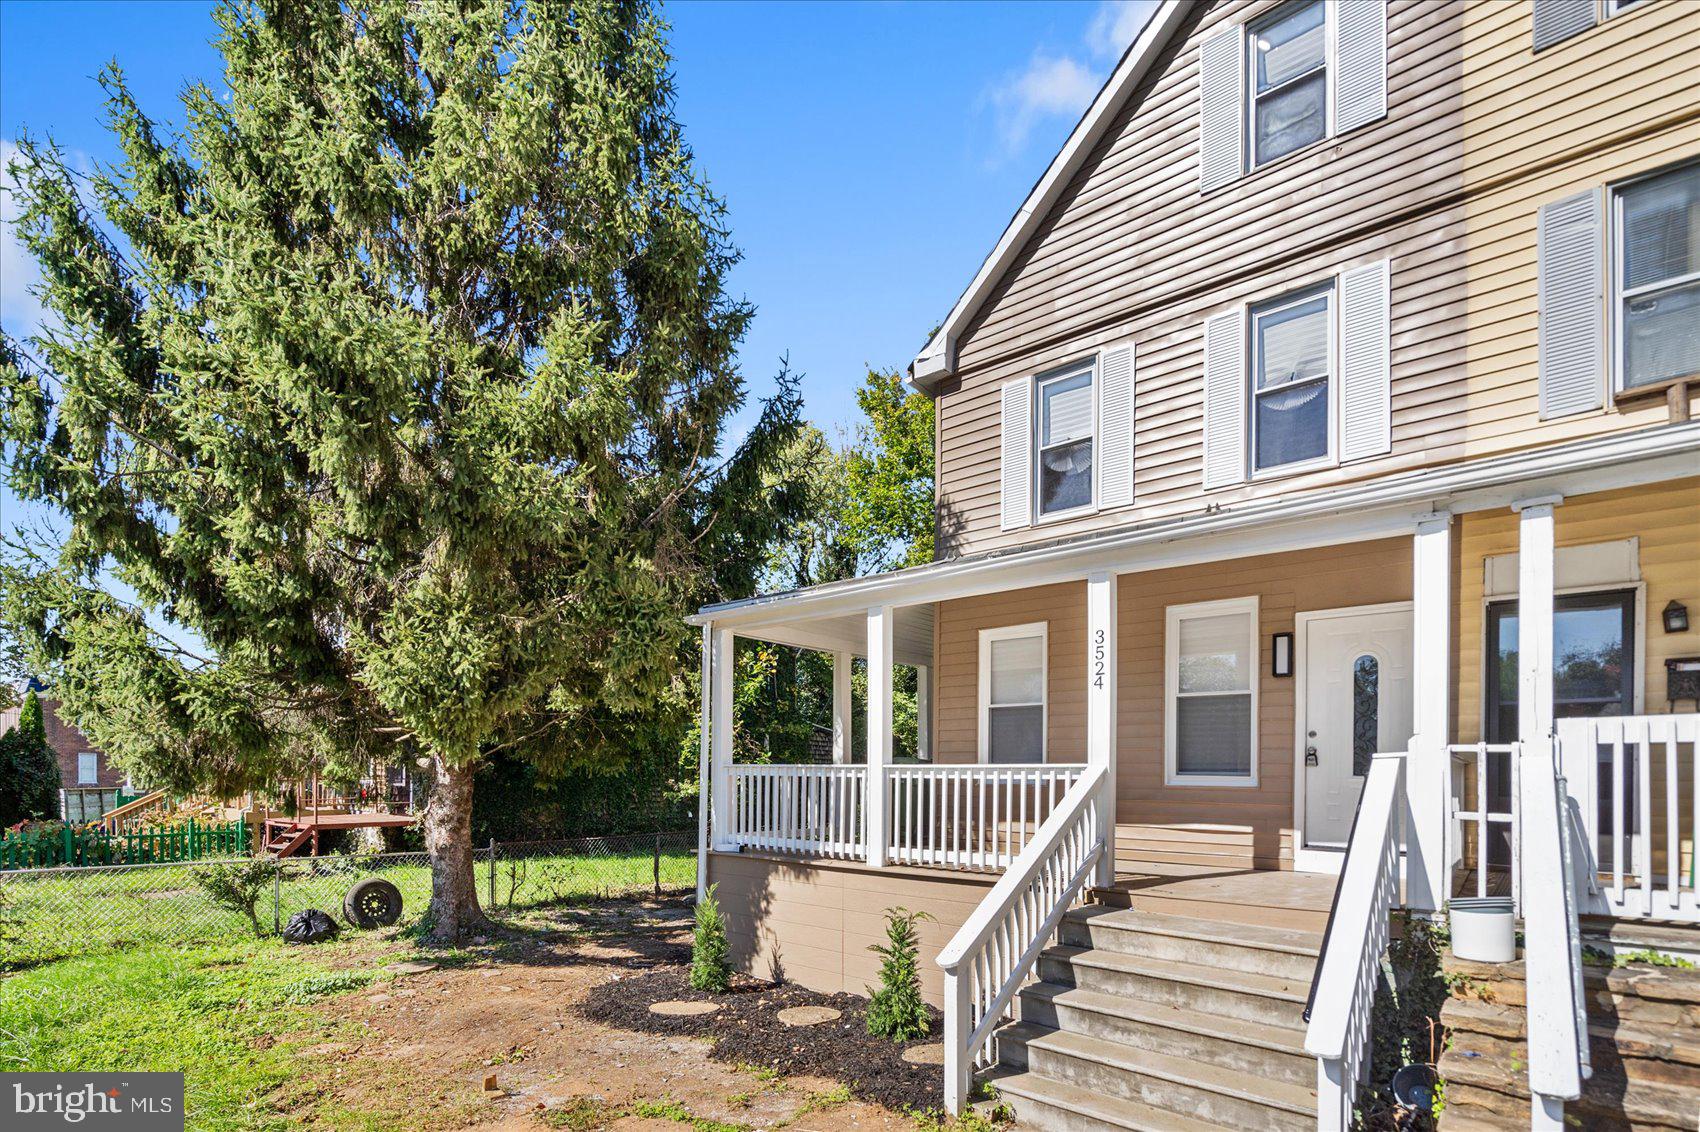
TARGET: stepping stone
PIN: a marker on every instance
(678, 1008)
(413, 967)
(808, 1015)
(930, 1054)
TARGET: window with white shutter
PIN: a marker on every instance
(1017, 454)
(1365, 362)
(1656, 281)
(1115, 425)
(1571, 314)
(1066, 442)
(1224, 399)
(1292, 381)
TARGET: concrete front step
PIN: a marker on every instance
(1057, 1106)
(1190, 986)
(1273, 1052)
(1223, 1097)
(1283, 953)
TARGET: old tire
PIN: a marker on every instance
(372, 903)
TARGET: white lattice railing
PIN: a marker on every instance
(1636, 783)
(993, 953)
(970, 816)
(1342, 993)
(799, 809)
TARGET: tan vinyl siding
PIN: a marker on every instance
(1480, 132)
(810, 922)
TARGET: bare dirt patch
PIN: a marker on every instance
(511, 1007)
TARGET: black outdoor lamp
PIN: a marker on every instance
(1676, 618)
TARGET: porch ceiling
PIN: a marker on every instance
(911, 633)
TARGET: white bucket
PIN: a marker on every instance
(1482, 929)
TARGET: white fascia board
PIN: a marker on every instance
(938, 358)
(1356, 512)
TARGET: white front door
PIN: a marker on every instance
(1357, 669)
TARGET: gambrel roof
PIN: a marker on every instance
(938, 359)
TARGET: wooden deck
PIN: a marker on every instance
(1268, 897)
(286, 836)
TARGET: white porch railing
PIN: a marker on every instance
(1342, 993)
(993, 954)
(1637, 786)
(970, 816)
(809, 809)
(1469, 768)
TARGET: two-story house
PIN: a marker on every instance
(1317, 497)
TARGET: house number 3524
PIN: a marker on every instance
(1099, 654)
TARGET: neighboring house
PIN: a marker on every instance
(81, 763)
(1314, 459)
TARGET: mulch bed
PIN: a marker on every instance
(746, 1030)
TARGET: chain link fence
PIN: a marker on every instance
(48, 914)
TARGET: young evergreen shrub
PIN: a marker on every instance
(709, 969)
(896, 1011)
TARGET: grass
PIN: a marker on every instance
(217, 1014)
(72, 912)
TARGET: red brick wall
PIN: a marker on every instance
(67, 742)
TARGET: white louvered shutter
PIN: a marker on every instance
(1221, 110)
(1366, 425)
(1115, 426)
(1558, 20)
(1360, 68)
(1224, 399)
(1017, 453)
(1572, 315)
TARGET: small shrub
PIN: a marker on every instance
(896, 1010)
(238, 886)
(710, 970)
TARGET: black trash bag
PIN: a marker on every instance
(309, 926)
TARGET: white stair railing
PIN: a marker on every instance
(992, 955)
(1342, 994)
(815, 810)
(970, 816)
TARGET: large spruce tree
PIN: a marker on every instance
(400, 379)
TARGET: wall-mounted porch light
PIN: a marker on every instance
(1676, 618)
(1281, 663)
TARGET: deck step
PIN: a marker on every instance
(1281, 952)
(1224, 1097)
(1274, 1052)
(1233, 994)
(1057, 1106)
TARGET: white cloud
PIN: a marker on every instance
(1060, 84)
(20, 313)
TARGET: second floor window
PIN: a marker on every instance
(1067, 416)
(1289, 80)
(1292, 363)
(1658, 277)
(88, 768)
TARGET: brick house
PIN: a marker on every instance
(81, 763)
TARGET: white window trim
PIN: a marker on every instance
(1248, 64)
(1616, 294)
(1035, 430)
(94, 761)
(1610, 8)
(1331, 287)
(1172, 618)
(1040, 629)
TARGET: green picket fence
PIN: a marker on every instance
(190, 841)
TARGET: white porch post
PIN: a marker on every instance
(720, 721)
(879, 731)
(924, 712)
(705, 755)
(1431, 714)
(841, 707)
(1534, 617)
(1101, 706)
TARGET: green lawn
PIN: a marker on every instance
(233, 1018)
(75, 912)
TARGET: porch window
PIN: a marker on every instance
(1012, 694)
(1289, 81)
(1210, 660)
(1292, 360)
(1067, 416)
(1657, 277)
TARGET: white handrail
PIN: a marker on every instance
(1552, 938)
(970, 815)
(1343, 992)
(990, 957)
(798, 808)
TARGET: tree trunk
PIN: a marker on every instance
(455, 913)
